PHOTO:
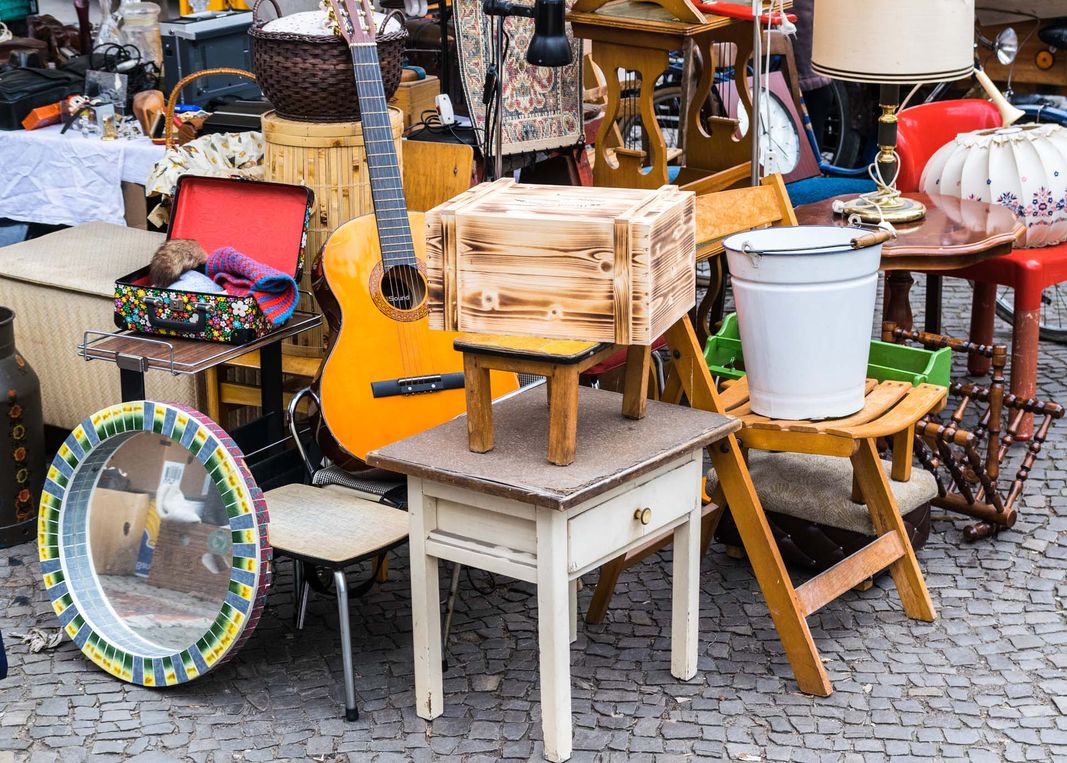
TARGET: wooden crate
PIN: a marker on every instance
(415, 97)
(599, 264)
(329, 158)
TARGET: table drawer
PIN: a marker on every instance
(610, 527)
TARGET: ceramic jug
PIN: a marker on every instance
(22, 456)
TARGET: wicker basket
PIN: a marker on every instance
(310, 79)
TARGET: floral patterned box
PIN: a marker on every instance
(266, 221)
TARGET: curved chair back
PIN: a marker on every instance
(921, 130)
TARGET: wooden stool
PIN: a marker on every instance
(561, 362)
(891, 409)
(332, 528)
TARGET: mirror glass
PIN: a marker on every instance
(1006, 46)
(159, 541)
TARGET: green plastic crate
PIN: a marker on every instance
(887, 361)
(16, 10)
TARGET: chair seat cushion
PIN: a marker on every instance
(816, 189)
(331, 525)
(819, 488)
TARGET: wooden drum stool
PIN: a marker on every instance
(561, 362)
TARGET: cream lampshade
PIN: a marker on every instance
(892, 42)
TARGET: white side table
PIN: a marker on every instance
(511, 512)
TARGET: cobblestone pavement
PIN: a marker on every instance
(986, 681)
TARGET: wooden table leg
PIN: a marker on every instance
(886, 519)
(983, 312)
(751, 522)
(897, 301)
(553, 633)
(685, 597)
(425, 605)
(572, 599)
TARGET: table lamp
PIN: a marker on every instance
(890, 43)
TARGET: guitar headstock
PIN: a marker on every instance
(353, 20)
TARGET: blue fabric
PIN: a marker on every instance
(3, 659)
(194, 280)
(818, 188)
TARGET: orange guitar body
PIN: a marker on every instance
(374, 341)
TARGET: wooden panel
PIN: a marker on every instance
(435, 172)
(611, 526)
(415, 97)
(494, 528)
(828, 585)
(329, 158)
(561, 262)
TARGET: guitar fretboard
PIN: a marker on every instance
(386, 182)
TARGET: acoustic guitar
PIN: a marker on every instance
(386, 375)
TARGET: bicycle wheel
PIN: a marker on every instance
(839, 143)
(1053, 325)
(667, 105)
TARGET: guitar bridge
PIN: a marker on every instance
(417, 385)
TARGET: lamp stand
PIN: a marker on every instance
(886, 203)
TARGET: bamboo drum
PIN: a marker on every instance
(330, 159)
(597, 264)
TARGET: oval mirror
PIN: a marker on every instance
(152, 538)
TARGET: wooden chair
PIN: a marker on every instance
(892, 410)
(718, 215)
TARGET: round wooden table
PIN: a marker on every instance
(954, 234)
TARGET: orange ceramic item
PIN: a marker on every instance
(372, 346)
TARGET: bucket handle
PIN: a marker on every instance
(874, 238)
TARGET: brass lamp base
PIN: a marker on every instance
(885, 205)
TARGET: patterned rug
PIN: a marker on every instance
(542, 106)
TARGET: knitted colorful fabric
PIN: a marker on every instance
(240, 275)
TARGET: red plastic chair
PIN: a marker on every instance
(921, 131)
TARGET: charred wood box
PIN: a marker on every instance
(564, 262)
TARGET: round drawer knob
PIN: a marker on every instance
(644, 516)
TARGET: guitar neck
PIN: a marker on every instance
(386, 182)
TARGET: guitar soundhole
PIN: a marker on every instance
(403, 288)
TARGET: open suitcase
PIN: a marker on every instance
(266, 221)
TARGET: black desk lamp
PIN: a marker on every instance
(549, 46)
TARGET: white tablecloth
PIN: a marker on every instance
(69, 179)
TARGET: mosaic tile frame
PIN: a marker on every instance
(66, 565)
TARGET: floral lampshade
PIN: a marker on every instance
(1023, 168)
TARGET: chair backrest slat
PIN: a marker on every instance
(722, 214)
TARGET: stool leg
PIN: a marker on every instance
(298, 591)
(479, 405)
(341, 584)
(562, 415)
(886, 519)
(635, 385)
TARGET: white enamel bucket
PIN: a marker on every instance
(805, 307)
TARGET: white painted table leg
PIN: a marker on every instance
(685, 597)
(553, 632)
(573, 596)
(425, 605)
